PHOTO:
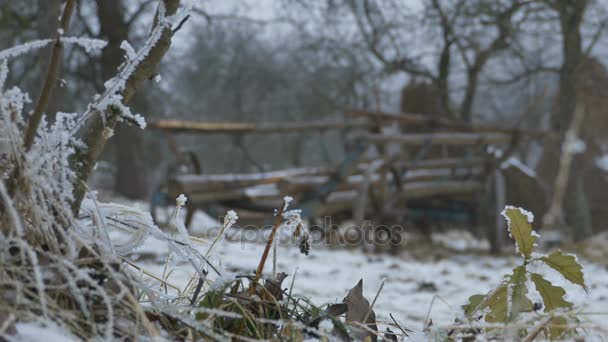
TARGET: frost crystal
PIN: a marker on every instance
(125, 112)
(115, 85)
(523, 211)
(89, 44)
(18, 50)
(287, 200)
(293, 218)
(139, 120)
(181, 200)
(129, 51)
(230, 219)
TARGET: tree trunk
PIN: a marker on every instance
(577, 213)
(130, 177)
(93, 131)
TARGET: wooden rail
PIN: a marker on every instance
(182, 126)
(416, 139)
(439, 122)
(191, 183)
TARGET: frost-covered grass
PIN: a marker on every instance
(59, 271)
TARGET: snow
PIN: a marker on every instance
(326, 326)
(262, 190)
(38, 331)
(602, 162)
(573, 144)
(523, 211)
(327, 274)
(129, 50)
(287, 200)
(512, 161)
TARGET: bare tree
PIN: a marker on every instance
(469, 32)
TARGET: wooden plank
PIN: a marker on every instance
(431, 164)
(456, 139)
(253, 193)
(428, 120)
(191, 183)
(441, 163)
(183, 126)
(442, 188)
(295, 185)
(341, 201)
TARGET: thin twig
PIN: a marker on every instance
(197, 290)
(51, 76)
(181, 23)
(374, 301)
(534, 333)
(269, 243)
(162, 281)
(404, 330)
(274, 260)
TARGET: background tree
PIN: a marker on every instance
(465, 35)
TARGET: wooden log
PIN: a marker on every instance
(428, 120)
(182, 126)
(442, 188)
(431, 164)
(450, 138)
(295, 185)
(441, 163)
(256, 192)
(344, 201)
(191, 183)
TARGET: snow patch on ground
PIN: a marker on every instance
(39, 331)
(412, 290)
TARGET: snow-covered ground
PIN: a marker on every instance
(414, 289)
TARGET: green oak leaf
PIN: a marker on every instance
(471, 307)
(521, 230)
(553, 296)
(567, 265)
(519, 300)
(497, 302)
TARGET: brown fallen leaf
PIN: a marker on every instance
(358, 308)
